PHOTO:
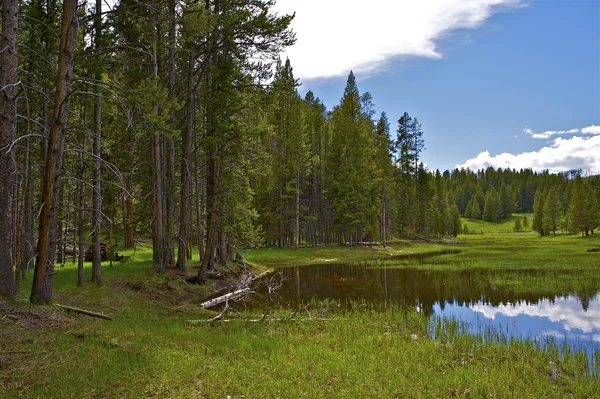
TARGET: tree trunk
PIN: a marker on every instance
(27, 229)
(222, 248)
(212, 201)
(128, 212)
(80, 219)
(8, 131)
(97, 192)
(184, 216)
(170, 144)
(41, 291)
(199, 203)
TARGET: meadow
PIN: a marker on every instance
(150, 350)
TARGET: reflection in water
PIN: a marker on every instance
(481, 297)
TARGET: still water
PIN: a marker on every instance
(520, 303)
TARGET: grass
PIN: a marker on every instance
(289, 257)
(150, 351)
(505, 226)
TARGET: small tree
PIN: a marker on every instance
(538, 213)
(551, 212)
(517, 228)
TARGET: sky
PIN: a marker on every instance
(502, 83)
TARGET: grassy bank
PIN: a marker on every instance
(513, 250)
(150, 351)
(147, 352)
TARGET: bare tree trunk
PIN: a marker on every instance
(41, 291)
(80, 219)
(128, 212)
(213, 169)
(199, 203)
(222, 248)
(27, 230)
(170, 145)
(213, 205)
(159, 245)
(97, 192)
(8, 132)
(184, 216)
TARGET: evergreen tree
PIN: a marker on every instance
(456, 222)
(578, 208)
(351, 167)
(492, 210)
(473, 210)
(517, 228)
(507, 201)
(551, 211)
(538, 213)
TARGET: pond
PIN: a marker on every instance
(524, 303)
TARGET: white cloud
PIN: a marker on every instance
(549, 133)
(561, 155)
(334, 36)
(591, 130)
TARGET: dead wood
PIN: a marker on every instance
(84, 312)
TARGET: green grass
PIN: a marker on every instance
(504, 226)
(150, 351)
(289, 257)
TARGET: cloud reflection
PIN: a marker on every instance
(567, 311)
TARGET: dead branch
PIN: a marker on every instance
(227, 297)
(85, 312)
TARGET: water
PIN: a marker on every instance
(519, 303)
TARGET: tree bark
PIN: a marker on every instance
(97, 192)
(128, 212)
(170, 144)
(41, 292)
(80, 219)
(8, 131)
(184, 216)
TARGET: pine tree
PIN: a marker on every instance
(473, 210)
(492, 210)
(456, 222)
(507, 201)
(351, 167)
(538, 213)
(517, 228)
(551, 211)
(578, 207)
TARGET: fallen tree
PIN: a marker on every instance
(242, 289)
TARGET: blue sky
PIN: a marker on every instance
(518, 79)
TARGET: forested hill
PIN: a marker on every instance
(164, 121)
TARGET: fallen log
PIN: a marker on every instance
(84, 312)
(237, 293)
(226, 297)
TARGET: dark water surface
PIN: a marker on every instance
(519, 303)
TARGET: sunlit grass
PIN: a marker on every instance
(150, 351)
